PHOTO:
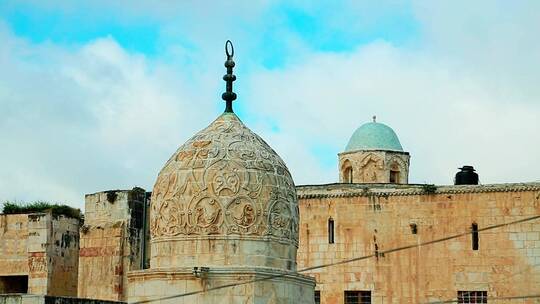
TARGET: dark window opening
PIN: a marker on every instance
(414, 228)
(472, 297)
(317, 297)
(474, 236)
(348, 174)
(394, 176)
(357, 297)
(331, 231)
(13, 284)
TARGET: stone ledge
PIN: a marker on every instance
(41, 299)
(339, 190)
(260, 273)
(230, 237)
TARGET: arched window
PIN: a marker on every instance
(347, 172)
(348, 175)
(394, 173)
(394, 177)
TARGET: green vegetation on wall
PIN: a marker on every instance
(55, 209)
(429, 188)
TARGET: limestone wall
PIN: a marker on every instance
(245, 285)
(39, 226)
(369, 221)
(63, 253)
(42, 250)
(111, 243)
(13, 244)
(40, 299)
(373, 166)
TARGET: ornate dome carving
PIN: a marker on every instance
(225, 182)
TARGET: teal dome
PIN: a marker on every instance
(374, 136)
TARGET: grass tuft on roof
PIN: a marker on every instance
(41, 206)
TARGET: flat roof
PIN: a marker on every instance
(386, 189)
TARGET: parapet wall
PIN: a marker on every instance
(13, 244)
(371, 221)
(39, 254)
(112, 241)
(39, 299)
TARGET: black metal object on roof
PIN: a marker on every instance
(229, 95)
(466, 176)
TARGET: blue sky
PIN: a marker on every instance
(117, 86)
(323, 29)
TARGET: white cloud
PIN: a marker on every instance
(96, 117)
(88, 120)
(468, 95)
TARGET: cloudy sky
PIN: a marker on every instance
(97, 95)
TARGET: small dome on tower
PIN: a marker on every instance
(374, 136)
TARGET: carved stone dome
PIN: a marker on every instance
(224, 198)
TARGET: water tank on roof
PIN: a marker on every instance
(466, 176)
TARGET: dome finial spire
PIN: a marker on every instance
(229, 95)
(374, 118)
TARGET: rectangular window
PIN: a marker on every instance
(474, 236)
(357, 297)
(394, 177)
(472, 296)
(13, 284)
(330, 231)
(348, 175)
(317, 297)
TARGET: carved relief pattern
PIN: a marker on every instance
(225, 180)
(398, 162)
(37, 264)
(371, 167)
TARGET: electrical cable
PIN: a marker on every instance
(379, 253)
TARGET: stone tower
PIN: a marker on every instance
(223, 221)
(374, 155)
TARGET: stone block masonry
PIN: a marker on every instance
(371, 219)
(40, 299)
(111, 243)
(39, 254)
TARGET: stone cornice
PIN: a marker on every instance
(354, 190)
(247, 273)
(373, 150)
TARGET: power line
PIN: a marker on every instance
(382, 252)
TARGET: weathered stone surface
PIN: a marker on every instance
(13, 244)
(44, 248)
(373, 166)
(111, 243)
(243, 285)
(224, 187)
(370, 219)
(224, 201)
(40, 299)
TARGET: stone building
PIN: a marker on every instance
(39, 254)
(374, 155)
(112, 242)
(493, 250)
(224, 212)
